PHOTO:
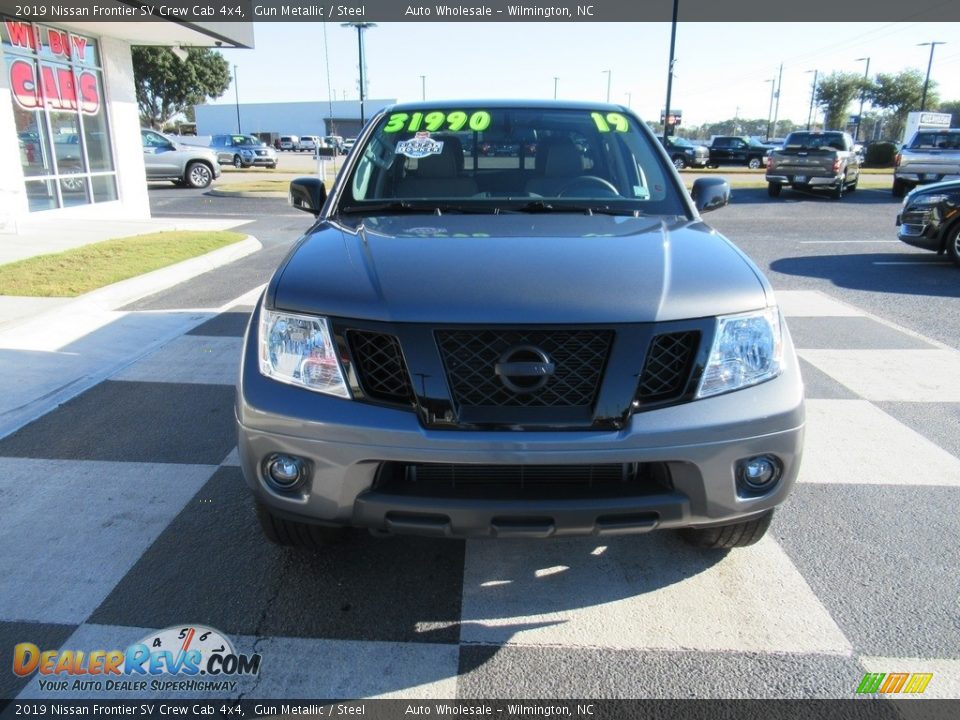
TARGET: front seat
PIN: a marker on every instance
(559, 162)
(439, 175)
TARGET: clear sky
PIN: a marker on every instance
(721, 68)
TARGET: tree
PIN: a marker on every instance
(834, 94)
(167, 86)
(900, 94)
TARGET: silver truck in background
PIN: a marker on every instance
(929, 157)
(814, 160)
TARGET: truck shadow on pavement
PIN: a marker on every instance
(746, 196)
(921, 273)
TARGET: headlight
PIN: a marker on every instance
(747, 349)
(927, 199)
(299, 350)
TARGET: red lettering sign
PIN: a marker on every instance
(22, 34)
(79, 46)
(60, 89)
(23, 84)
(89, 93)
(59, 42)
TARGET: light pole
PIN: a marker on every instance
(863, 95)
(609, 75)
(813, 94)
(555, 81)
(926, 82)
(773, 87)
(673, 45)
(236, 97)
(423, 86)
(629, 98)
(360, 26)
(776, 105)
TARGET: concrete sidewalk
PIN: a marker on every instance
(52, 349)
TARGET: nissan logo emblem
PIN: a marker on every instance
(524, 369)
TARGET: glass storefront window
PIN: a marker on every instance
(60, 114)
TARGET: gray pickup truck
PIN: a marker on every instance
(814, 160)
(929, 157)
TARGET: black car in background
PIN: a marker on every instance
(737, 150)
(684, 153)
(930, 219)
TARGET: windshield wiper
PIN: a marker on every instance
(395, 206)
(539, 206)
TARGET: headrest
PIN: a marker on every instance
(444, 165)
(561, 157)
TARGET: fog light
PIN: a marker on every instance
(284, 472)
(760, 473)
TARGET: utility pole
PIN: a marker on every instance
(609, 75)
(360, 26)
(813, 94)
(673, 46)
(423, 87)
(236, 97)
(555, 81)
(776, 106)
(863, 96)
(926, 82)
(773, 89)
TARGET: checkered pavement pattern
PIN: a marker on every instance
(124, 511)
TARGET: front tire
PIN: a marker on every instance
(899, 188)
(837, 192)
(754, 163)
(290, 533)
(237, 162)
(199, 175)
(727, 537)
(679, 163)
(953, 244)
(773, 189)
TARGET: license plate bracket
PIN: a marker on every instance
(799, 178)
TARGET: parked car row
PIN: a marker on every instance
(332, 144)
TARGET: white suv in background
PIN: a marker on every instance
(311, 143)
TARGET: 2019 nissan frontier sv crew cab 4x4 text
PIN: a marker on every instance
(546, 344)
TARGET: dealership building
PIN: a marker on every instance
(69, 123)
(332, 117)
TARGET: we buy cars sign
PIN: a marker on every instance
(59, 87)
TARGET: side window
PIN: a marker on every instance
(151, 139)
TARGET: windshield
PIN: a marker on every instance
(501, 159)
(815, 141)
(244, 140)
(936, 141)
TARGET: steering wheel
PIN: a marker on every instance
(589, 181)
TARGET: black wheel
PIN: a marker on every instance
(291, 533)
(272, 167)
(837, 192)
(726, 537)
(953, 243)
(899, 188)
(773, 189)
(679, 162)
(853, 186)
(754, 163)
(199, 175)
(237, 161)
(713, 166)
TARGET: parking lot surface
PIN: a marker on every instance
(129, 513)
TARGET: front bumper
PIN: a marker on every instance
(346, 442)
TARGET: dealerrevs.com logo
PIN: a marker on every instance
(200, 658)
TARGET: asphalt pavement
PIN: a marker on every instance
(148, 524)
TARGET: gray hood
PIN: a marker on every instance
(557, 268)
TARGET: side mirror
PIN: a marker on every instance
(307, 194)
(710, 193)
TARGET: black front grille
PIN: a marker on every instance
(381, 371)
(667, 369)
(439, 480)
(470, 358)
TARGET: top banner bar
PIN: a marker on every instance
(939, 11)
